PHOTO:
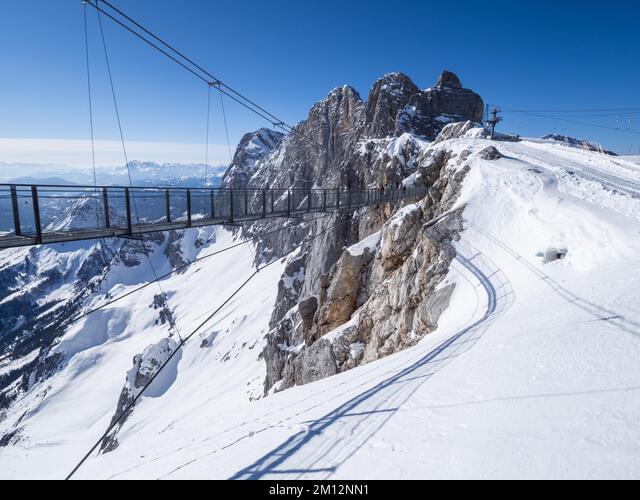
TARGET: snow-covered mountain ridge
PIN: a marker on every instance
(490, 329)
(142, 173)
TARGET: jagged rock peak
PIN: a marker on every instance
(252, 148)
(395, 80)
(256, 143)
(430, 110)
(334, 117)
(344, 90)
(388, 96)
(448, 80)
(344, 93)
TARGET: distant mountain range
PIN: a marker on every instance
(142, 173)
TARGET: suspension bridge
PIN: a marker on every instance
(42, 214)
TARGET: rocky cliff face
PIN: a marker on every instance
(388, 97)
(322, 149)
(428, 111)
(347, 142)
(345, 304)
(252, 148)
(383, 294)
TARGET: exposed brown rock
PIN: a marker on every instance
(450, 80)
(490, 153)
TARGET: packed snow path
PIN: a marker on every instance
(318, 451)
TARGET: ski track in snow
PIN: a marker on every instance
(318, 451)
(584, 165)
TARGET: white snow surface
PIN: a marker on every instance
(370, 243)
(532, 372)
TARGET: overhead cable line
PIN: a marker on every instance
(215, 80)
(206, 154)
(569, 120)
(195, 69)
(226, 128)
(593, 110)
(145, 251)
(93, 145)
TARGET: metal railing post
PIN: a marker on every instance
(127, 202)
(213, 206)
(264, 203)
(288, 203)
(324, 200)
(230, 205)
(338, 199)
(246, 202)
(167, 203)
(36, 214)
(189, 221)
(16, 211)
(105, 206)
(272, 202)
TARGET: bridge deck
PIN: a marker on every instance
(43, 214)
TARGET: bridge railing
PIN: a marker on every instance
(34, 214)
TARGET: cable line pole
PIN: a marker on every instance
(493, 121)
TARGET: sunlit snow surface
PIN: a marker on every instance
(532, 373)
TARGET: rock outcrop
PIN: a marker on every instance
(490, 153)
(430, 110)
(389, 296)
(580, 143)
(448, 80)
(382, 294)
(457, 130)
(252, 148)
(145, 368)
(388, 96)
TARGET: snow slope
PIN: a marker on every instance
(59, 420)
(532, 373)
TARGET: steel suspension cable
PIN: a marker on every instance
(145, 251)
(206, 153)
(215, 79)
(93, 146)
(226, 128)
(208, 78)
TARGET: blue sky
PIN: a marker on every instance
(286, 55)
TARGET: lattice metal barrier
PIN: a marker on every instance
(39, 214)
